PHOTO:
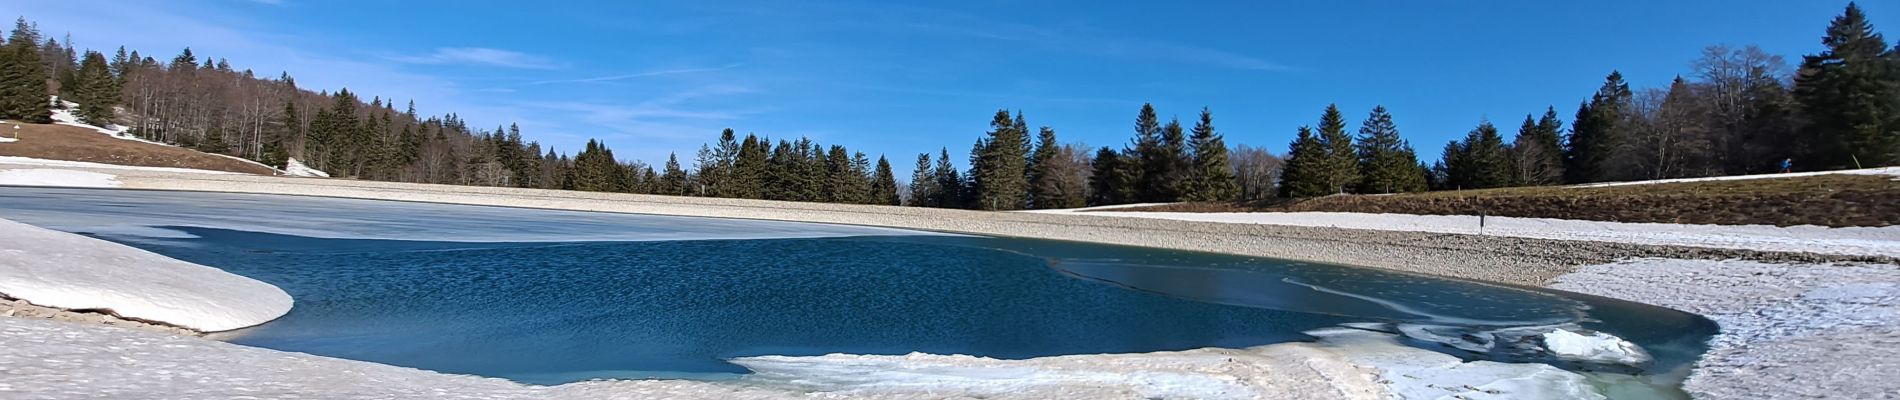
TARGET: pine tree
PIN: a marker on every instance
(1306, 171)
(1599, 134)
(1341, 165)
(1210, 178)
(1850, 94)
(884, 184)
(23, 76)
(923, 185)
(998, 167)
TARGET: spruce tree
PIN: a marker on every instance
(750, 169)
(23, 91)
(1479, 161)
(950, 185)
(96, 91)
(1850, 93)
(1166, 171)
(1111, 180)
(1147, 156)
(923, 184)
(673, 182)
(1599, 133)
(1387, 163)
(1044, 192)
(1306, 173)
(1537, 151)
(1210, 178)
(1341, 165)
(998, 168)
(884, 184)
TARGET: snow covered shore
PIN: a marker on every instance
(1789, 331)
(73, 360)
(63, 270)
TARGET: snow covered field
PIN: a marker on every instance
(1881, 241)
(63, 270)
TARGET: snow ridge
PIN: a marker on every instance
(63, 270)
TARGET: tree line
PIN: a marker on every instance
(1741, 111)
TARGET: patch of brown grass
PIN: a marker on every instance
(1826, 200)
(71, 143)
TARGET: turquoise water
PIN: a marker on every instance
(550, 296)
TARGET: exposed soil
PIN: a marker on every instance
(71, 143)
(1825, 200)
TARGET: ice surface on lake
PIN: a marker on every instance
(105, 212)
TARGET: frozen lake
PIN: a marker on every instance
(543, 296)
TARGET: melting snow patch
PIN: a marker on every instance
(1596, 347)
(296, 168)
(63, 270)
(57, 177)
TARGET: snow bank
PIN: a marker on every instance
(1597, 347)
(57, 177)
(296, 168)
(12, 161)
(1881, 241)
(1887, 171)
(1095, 208)
(1412, 373)
(1788, 331)
(63, 270)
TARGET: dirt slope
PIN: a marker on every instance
(71, 143)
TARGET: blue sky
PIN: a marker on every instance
(899, 78)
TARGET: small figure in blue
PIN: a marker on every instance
(1787, 165)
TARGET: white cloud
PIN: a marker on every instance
(481, 56)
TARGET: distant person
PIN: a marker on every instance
(1787, 165)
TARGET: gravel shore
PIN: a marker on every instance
(1756, 356)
